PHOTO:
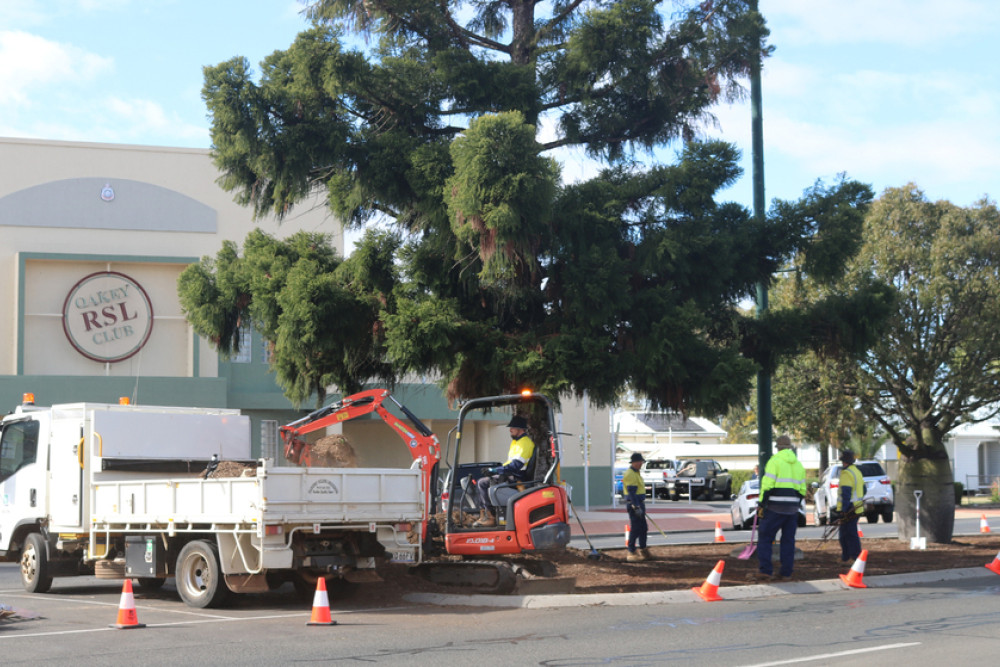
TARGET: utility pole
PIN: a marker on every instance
(764, 435)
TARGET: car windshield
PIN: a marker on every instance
(871, 469)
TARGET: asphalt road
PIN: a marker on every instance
(947, 623)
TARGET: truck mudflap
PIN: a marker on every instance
(550, 536)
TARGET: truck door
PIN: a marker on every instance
(22, 476)
(67, 452)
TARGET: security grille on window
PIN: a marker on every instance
(269, 439)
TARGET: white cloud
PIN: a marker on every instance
(29, 63)
(901, 22)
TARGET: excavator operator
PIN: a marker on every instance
(514, 469)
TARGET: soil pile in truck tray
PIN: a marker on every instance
(233, 469)
(333, 451)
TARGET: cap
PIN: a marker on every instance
(636, 456)
(517, 421)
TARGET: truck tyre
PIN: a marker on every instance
(887, 514)
(871, 516)
(35, 565)
(199, 576)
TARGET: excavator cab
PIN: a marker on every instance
(531, 513)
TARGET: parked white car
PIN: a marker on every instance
(745, 505)
(878, 499)
(656, 473)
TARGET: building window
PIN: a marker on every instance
(269, 439)
(243, 356)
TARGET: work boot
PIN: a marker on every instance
(645, 553)
(485, 520)
(635, 557)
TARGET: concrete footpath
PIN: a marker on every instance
(683, 517)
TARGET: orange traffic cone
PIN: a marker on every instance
(719, 537)
(709, 591)
(627, 530)
(853, 578)
(860, 532)
(321, 605)
(127, 618)
(983, 526)
(995, 565)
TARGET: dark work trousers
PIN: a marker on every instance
(769, 527)
(637, 529)
(483, 485)
(850, 541)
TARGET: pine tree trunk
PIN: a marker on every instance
(937, 503)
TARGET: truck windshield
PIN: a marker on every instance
(18, 447)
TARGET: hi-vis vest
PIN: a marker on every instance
(852, 477)
(784, 482)
(520, 451)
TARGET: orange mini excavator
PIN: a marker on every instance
(532, 514)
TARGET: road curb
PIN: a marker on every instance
(746, 592)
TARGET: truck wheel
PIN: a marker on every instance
(887, 514)
(199, 575)
(871, 517)
(35, 565)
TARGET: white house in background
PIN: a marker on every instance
(647, 432)
(974, 450)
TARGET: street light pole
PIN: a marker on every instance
(764, 436)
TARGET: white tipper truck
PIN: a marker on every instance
(116, 491)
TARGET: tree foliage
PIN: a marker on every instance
(319, 314)
(936, 364)
(444, 119)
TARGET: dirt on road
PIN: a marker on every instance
(685, 566)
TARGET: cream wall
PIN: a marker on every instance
(54, 230)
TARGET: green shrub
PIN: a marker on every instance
(959, 492)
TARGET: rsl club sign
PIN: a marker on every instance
(107, 316)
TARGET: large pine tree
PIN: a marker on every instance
(447, 120)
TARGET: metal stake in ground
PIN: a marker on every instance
(594, 553)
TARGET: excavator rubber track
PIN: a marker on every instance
(496, 577)
(480, 576)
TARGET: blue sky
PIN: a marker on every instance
(888, 91)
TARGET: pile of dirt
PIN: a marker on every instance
(679, 567)
(333, 451)
(233, 469)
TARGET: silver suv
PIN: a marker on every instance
(878, 498)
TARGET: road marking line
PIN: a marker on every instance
(827, 656)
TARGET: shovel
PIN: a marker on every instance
(750, 548)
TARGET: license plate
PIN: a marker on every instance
(402, 557)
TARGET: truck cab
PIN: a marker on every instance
(24, 460)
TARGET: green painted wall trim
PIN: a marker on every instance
(52, 389)
(600, 485)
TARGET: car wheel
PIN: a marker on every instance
(887, 515)
(818, 519)
(871, 517)
(675, 496)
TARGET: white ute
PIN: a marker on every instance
(116, 491)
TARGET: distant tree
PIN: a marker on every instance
(937, 364)
(442, 119)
